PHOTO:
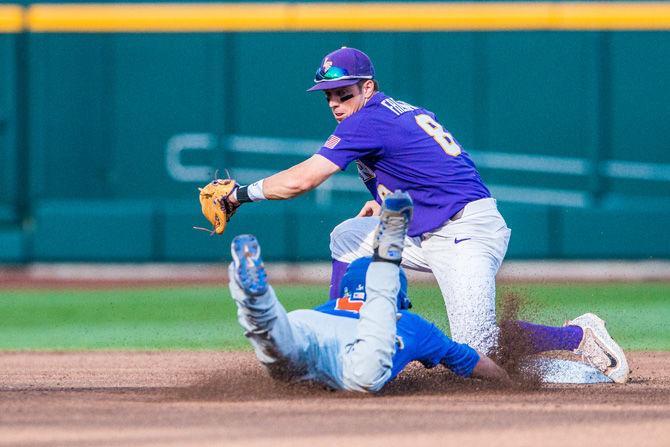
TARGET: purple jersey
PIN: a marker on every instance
(400, 146)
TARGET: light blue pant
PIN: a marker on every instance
(340, 352)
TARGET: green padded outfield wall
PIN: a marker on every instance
(570, 129)
(8, 116)
(13, 172)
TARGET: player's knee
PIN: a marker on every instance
(365, 384)
(345, 231)
(347, 237)
(365, 377)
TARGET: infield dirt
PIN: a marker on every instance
(220, 398)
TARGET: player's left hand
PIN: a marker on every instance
(371, 208)
(216, 204)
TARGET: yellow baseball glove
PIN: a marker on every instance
(215, 203)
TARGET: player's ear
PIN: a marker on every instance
(368, 88)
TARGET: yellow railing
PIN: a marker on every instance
(171, 17)
(11, 19)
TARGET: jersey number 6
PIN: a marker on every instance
(441, 136)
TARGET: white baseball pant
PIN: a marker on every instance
(343, 353)
(464, 255)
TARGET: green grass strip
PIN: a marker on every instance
(204, 317)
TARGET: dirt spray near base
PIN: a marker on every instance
(513, 344)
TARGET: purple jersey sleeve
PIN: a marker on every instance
(353, 138)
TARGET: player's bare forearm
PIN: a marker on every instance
(487, 369)
(299, 179)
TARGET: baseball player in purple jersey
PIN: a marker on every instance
(457, 232)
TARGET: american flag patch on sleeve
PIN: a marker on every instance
(331, 142)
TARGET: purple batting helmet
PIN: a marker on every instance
(341, 68)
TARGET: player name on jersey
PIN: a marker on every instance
(397, 107)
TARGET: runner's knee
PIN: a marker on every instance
(364, 376)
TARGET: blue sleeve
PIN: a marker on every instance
(460, 358)
(434, 347)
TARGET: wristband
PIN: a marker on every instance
(255, 191)
(250, 193)
(242, 194)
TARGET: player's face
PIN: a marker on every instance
(346, 101)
